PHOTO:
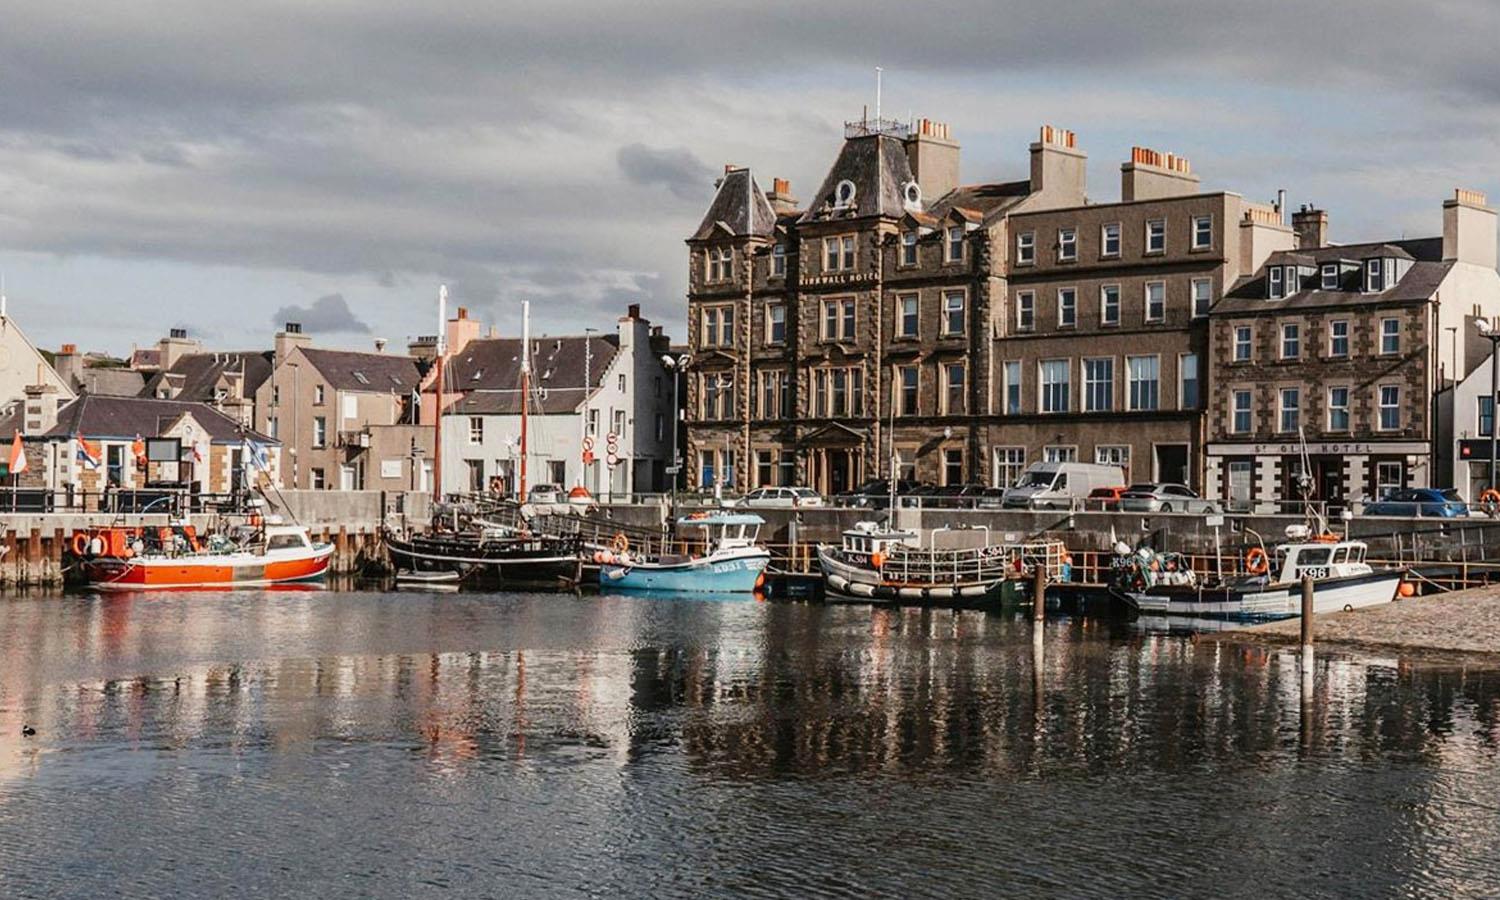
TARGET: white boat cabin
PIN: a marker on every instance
(1324, 556)
(726, 530)
(868, 538)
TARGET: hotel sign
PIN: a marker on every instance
(836, 278)
(1320, 448)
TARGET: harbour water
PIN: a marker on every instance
(410, 744)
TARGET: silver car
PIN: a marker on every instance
(778, 498)
(1157, 497)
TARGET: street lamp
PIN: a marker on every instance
(676, 365)
(1493, 336)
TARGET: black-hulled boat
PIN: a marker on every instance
(513, 558)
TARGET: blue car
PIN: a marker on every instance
(1441, 502)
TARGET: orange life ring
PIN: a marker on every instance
(1490, 495)
(1256, 561)
(80, 543)
(619, 543)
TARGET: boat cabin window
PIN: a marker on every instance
(1340, 555)
(1357, 554)
(1314, 556)
(284, 542)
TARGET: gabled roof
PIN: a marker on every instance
(739, 209)
(196, 376)
(984, 199)
(877, 166)
(109, 380)
(488, 372)
(380, 373)
(123, 418)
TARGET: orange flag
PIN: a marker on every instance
(17, 456)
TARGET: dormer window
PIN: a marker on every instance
(912, 194)
(778, 261)
(954, 245)
(1375, 280)
(908, 248)
(1275, 285)
(1330, 276)
(843, 195)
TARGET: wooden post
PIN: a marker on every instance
(1307, 610)
(1039, 590)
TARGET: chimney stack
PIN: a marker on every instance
(1310, 224)
(1152, 175)
(1468, 229)
(461, 329)
(780, 195)
(1059, 170)
(69, 366)
(932, 154)
(380, 345)
(289, 338)
(174, 346)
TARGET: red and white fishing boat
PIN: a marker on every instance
(144, 558)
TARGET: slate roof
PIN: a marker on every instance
(1421, 281)
(739, 205)
(985, 199)
(488, 372)
(109, 380)
(145, 359)
(878, 167)
(349, 370)
(122, 418)
(195, 376)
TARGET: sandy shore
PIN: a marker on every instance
(1463, 622)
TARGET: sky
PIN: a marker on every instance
(227, 167)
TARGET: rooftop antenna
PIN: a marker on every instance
(2, 295)
(877, 96)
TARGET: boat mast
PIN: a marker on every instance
(437, 397)
(525, 387)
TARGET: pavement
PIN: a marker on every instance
(1460, 622)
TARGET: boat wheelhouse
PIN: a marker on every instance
(961, 566)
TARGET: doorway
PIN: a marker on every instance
(1328, 475)
(1172, 464)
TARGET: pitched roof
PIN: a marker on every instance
(196, 376)
(1248, 295)
(96, 416)
(985, 199)
(349, 370)
(109, 380)
(876, 165)
(488, 372)
(145, 359)
(739, 206)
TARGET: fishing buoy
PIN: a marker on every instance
(877, 559)
(1407, 589)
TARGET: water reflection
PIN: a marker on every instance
(612, 708)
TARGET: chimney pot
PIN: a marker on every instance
(68, 349)
(633, 311)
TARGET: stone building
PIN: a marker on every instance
(1103, 356)
(827, 340)
(348, 420)
(1350, 348)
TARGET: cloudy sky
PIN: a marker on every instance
(225, 167)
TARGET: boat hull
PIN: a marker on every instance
(1276, 601)
(847, 583)
(207, 571)
(537, 561)
(739, 573)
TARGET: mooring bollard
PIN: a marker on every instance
(1038, 591)
(1307, 621)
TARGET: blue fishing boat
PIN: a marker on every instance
(733, 564)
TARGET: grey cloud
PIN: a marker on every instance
(675, 168)
(329, 314)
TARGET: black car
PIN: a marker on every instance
(956, 496)
(873, 494)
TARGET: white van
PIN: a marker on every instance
(1059, 485)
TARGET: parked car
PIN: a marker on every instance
(1059, 485)
(1153, 497)
(778, 498)
(874, 494)
(546, 494)
(1105, 498)
(1444, 503)
(954, 496)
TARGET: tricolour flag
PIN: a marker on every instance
(17, 456)
(87, 452)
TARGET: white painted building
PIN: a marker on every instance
(599, 391)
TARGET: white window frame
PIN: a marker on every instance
(909, 256)
(1067, 244)
(1025, 308)
(963, 309)
(1162, 315)
(838, 253)
(1235, 410)
(1382, 406)
(1007, 463)
(1282, 409)
(899, 384)
(1157, 229)
(1132, 401)
(1090, 384)
(1013, 381)
(1042, 386)
(1344, 407)
(1248, 344)
(1182, 359)
(1105, 318)
(901, 331)
(947, 370)
(1207, 284)
(1275, 288)
(1296, 340)
(1113, 455)
(1329, 283)
(1109, 231)
(1026, 248)
(953, 244)
(1060, 453)
(1374, 272)
(778, 260)
(1333, 352)
(1198, 228)
(1384, 484)
(476, 430)
(1071, 320)
(1395, 334)
(771, 324)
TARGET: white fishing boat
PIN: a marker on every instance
(1272, 589)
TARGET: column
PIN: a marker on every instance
(1356, 469)
(1267, 481)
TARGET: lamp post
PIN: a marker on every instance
(1493, 336)
(676, 365)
